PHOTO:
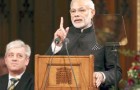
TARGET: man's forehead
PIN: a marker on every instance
(18, 49)
(84, 3)
(79, 4)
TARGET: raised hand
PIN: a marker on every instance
(61, 32)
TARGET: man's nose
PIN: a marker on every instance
(76, 13)
(14, 57)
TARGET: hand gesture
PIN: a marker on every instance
(61, 32)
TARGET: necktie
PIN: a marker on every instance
(13, 81)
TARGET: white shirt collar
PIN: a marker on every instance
(18, 76)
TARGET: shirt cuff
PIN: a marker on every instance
(104, 77)
(55, 48)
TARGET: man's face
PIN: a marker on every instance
(81, 15)
(16, 60)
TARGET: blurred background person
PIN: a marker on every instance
(3, 68)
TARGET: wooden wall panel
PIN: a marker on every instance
(126, 8)
(4, 35)
(13, 19)
(130, 15)
(43, 25)
(47, 19)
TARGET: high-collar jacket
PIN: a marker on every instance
(84, 43)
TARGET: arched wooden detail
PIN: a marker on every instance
(4, 9)
(101, 7)
(25, 21)
(25, 24)
(124, 8)
(26, 9)
(127, 9)
(4, 25)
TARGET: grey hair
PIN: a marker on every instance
(19, 44)
(88, 3)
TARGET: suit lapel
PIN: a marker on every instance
(23, 81)
(4, 82)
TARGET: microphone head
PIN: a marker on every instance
(57, 40)
(66, 40)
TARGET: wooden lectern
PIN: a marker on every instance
(64, 72)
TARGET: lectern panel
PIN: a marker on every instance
(64, 72)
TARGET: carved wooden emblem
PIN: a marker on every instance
(63, 75)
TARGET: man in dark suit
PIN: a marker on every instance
(82, 41)
(17, 59)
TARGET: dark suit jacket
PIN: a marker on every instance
(26, 82)
(85, 43)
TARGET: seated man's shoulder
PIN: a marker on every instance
(3, 77)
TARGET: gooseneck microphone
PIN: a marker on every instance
(66, 41)
(43, 87)
(57, 40)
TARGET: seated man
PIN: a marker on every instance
(16, 59)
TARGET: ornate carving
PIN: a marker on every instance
(125, 11)
(101, 7)
(26, 11)
(3, 10)
(63, 75)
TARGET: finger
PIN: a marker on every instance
(57, 33)
(61, 23)
(60, 33)
(94, 79)
(98, 79)
(98, 84)
(95, 75)
(66, 30)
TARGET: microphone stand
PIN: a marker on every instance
(48, 71)
(114, 45)
(66, 42)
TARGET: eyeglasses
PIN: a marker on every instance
(80, 10)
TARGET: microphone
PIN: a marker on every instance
(57, 40)
(66, 42)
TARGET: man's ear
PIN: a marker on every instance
(27, 61)
(93, 12)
